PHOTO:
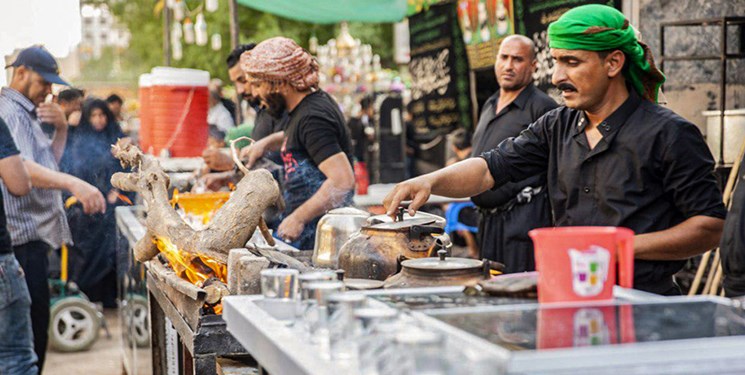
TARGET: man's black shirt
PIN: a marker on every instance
(651, 171)
(265, 124)
(7, 149)
(494, 128)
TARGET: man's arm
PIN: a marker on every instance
(59, 141)
(339, 182)
(14, 175)
(217, 160)
(460, 180)
(255, 151)
(53, 114)
(515, 159)
(87, 194)
(687, 239)
(687, 175)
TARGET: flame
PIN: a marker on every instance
(124, 198)
(174, 198)
(218, 309)
(231, 186)
(194, 268)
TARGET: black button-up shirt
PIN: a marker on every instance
(493, 128)
(651, 171)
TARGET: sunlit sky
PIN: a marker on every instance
(53, 23)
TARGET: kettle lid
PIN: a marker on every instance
(442, 263)
(421, 218)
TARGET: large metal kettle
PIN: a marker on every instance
(333, 230)
(374, 252)
(441, 271)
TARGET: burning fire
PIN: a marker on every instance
(174, 198)
(124, 198)
(193, 268)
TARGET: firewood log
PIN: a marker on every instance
(231, 226)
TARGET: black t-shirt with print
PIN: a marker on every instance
(316, 129)
(314, 132)
(7, 148)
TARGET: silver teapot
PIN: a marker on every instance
(333, 230)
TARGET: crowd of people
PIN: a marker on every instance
(52, 150)
(609, 156)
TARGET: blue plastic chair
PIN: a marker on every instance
(451, 215)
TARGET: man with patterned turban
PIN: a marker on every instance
(315, 146)
(613, 157)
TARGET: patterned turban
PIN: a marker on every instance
(281, 60)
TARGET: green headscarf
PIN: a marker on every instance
(598, 28)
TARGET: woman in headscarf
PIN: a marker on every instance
(88, 157)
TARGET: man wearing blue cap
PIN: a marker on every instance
(37, 222)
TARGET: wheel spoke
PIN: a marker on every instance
(68, 334)
(67, 317)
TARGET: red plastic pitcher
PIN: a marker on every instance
(579, 263)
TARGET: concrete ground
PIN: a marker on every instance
(103, 358)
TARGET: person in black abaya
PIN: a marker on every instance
(89, 157)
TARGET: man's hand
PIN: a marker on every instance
(92, 199)
(215, 181)
(217, 160)
(417, 190)
(253, 153)
(52, 113)
(290, 229)
(74, 119)
(112, 196)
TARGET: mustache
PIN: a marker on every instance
(566, 86)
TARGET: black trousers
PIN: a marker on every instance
(503, 234)
(32, 257)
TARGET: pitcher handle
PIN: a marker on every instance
(626, 258)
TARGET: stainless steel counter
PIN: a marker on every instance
(638, 333)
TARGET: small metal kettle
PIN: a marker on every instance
(333, 230)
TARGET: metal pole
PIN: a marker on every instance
(234, 26)
(722, 90)
(474, 100)
(167, 36)
(662, 52)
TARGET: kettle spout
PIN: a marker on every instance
(442, 242)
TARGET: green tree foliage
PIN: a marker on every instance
(146, 44)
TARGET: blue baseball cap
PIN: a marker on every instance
(38, 59)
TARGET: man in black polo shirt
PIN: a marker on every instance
(612, 155)
(315, 146)
(507, 213)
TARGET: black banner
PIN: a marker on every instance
(439, 72)
(532, 18)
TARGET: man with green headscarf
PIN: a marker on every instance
(613, 157)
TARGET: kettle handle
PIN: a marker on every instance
(626, 258)
(417, 231)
